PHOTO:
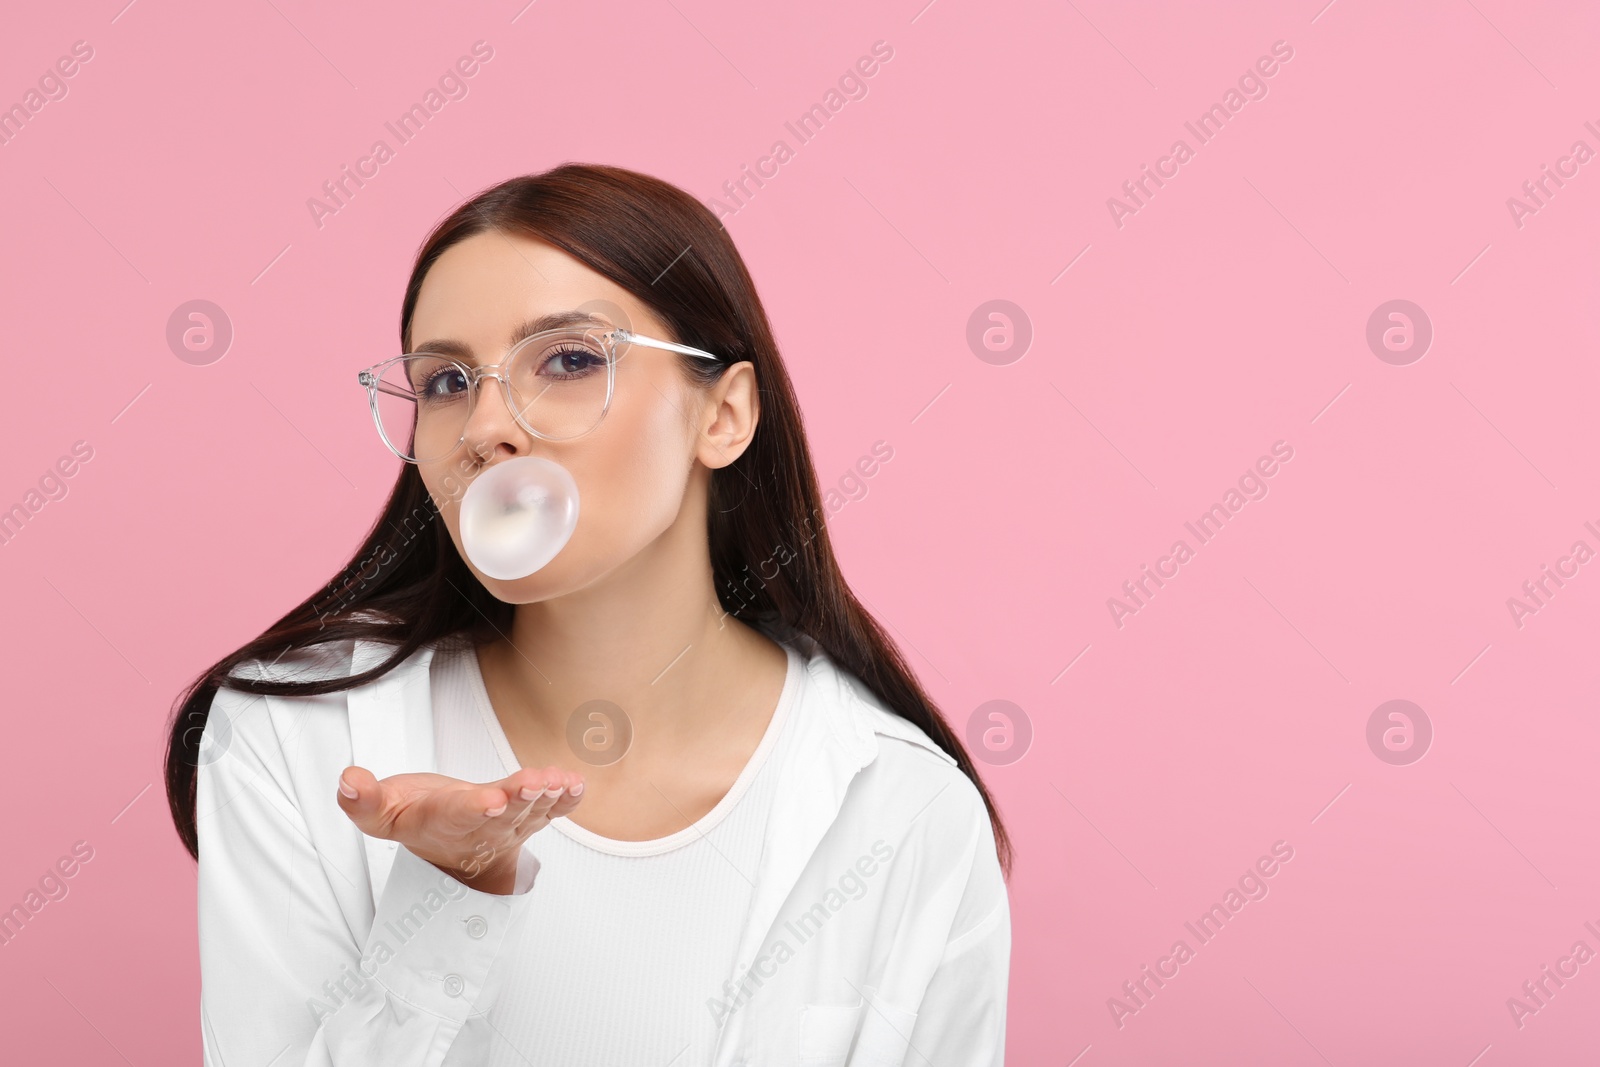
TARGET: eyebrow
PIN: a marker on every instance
(555, 320)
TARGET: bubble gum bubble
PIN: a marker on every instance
(517, 515)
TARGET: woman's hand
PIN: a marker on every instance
(472, 832)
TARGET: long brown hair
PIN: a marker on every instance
(408, 586)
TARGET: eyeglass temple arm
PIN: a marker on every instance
(372, 381)
(650, 342)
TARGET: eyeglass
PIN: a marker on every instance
(557, 385)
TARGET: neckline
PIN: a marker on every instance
(793, 677)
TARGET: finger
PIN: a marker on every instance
(538, 802)
(567, 800)
(485, 802)
(366, 807)
(514, 789)
(524, 785)
(534, 778)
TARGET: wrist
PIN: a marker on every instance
(498, 878)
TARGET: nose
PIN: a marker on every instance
(491, 426)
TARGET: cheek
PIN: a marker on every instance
(632, 480)
(446, 487)
(632, 473)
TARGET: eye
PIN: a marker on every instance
(570, 361)
(442, 383)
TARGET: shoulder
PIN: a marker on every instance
(247, 733)
(319, 662)
(302, 720)
(904, 764)
(912, 798)
(859, 718)
(334, 659)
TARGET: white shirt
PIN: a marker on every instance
(630, 939)
(877, 931)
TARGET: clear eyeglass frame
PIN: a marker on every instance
(610, 339)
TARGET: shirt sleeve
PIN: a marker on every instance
(960, 1018)
(961, 1021)
(288, 975)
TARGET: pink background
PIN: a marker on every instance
(1228, 313)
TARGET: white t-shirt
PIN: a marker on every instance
(625, 942)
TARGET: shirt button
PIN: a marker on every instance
(476, 927)
(453, 985)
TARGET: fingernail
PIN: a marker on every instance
(554, 791)
(575, 790)
(496, 810)
(527, 794)
(344, 787)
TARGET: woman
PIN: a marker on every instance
(673, 798)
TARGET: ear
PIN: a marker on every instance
(729, 416)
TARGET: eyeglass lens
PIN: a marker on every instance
(558, 387)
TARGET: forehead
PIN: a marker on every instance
(485, 292)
